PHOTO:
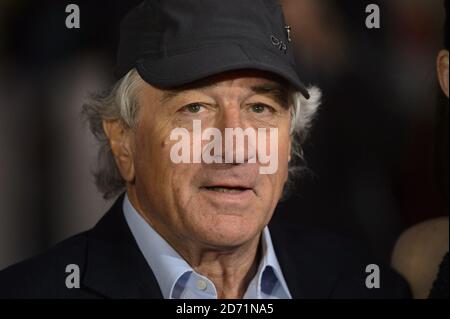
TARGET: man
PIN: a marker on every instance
(192, 214)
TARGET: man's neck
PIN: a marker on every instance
(231, 269)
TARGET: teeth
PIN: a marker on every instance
(226, 190)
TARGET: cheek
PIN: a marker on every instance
(151, 160)
(280, 177)
(273, 184)
(284, 152)
(161, 178)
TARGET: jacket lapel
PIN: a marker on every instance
(307, 272)
(115, 267)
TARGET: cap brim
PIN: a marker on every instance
(184, 68)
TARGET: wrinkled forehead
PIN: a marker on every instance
(252, 81)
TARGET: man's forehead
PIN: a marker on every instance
(258, 82)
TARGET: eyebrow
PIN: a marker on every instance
(278, 91)
(169, 95)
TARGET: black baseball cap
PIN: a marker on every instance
(176, 42)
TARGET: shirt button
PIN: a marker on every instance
(201, 284)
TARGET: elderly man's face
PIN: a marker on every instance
(190, 202)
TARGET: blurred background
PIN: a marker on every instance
(377, 155)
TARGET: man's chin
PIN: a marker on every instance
(231, 231)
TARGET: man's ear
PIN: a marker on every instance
(121, 142)
(442, 70)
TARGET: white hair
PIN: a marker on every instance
(121, 103)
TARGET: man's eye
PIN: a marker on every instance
(193, 108)
(260, 108)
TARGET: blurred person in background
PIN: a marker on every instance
(382, 179)
(354, 150)
(421, 252)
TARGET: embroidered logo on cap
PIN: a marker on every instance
(278, 43)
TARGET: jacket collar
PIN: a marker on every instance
(304, 260)
(115, 267)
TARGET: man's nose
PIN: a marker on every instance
(230, 117)
(237, 147)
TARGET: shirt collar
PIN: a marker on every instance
(169, 267)
(270, 265)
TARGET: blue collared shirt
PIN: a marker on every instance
(177, 279)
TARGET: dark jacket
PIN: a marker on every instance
(315, 265)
